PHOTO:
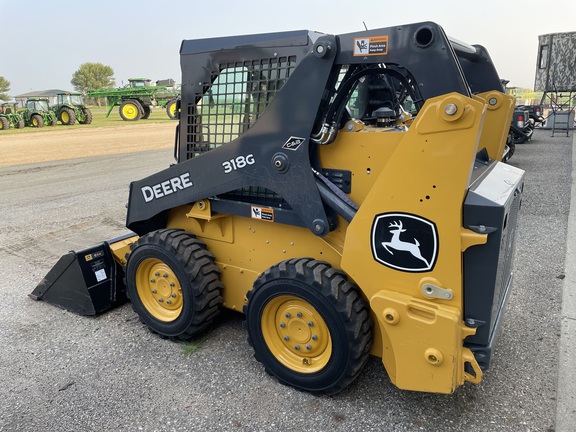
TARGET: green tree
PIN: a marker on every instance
(4, 88)
(93, 76)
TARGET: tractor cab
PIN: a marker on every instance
(8, 108)
(71, 99)
(70, 108)
(38, 113)
(9, 116)
(139, 82)
(37, 104)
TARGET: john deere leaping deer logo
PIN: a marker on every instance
(404, 242)
(401, 245)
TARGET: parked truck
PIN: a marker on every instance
(535, 113)
(136, 99)
(305, 196)
(521, 126)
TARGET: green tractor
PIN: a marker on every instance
(136, 99)
(70, 107)
(37, 113)
(9, 116)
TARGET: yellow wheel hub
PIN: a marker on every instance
(65, 117)
(159, 290)
(296, 334)
(130, 111)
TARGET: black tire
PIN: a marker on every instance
(67, 116)
(511, 146)
(309, 326)
(131, 110)
(147, 111)
(37, 121)
(4, 123)
(87, 116)
(173, 284)
(20, 124)
(170, 109)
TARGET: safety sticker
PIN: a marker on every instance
(371, 46)
(262, 213)
(100, 275)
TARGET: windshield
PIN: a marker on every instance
(37, 105)
(140, 83)
(77, 99)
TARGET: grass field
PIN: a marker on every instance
(99, 119)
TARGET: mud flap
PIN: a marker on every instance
(86, 282)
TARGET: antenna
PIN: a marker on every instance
(363, 22)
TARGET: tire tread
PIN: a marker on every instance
(200, 268)
(344, 295)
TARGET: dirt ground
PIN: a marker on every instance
(61, 144)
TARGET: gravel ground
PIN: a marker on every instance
(62, 372)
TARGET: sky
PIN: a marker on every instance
(50, 40)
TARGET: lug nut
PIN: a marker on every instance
(156, 274)
(299, 314)
(310, 324)
(308, 347)
(152, 280)
(314, 337)
(286, 338)
(287, 315)
(173, 295)
(168, 301)
(172, 284)
(282, 325)
(160, 300)
(164, 275)
(153, 291)
(297, 347)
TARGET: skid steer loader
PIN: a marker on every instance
(344, 192)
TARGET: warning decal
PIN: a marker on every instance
(100, 275)
(371, 46)
(265, 214)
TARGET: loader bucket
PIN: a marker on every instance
(86, 282)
